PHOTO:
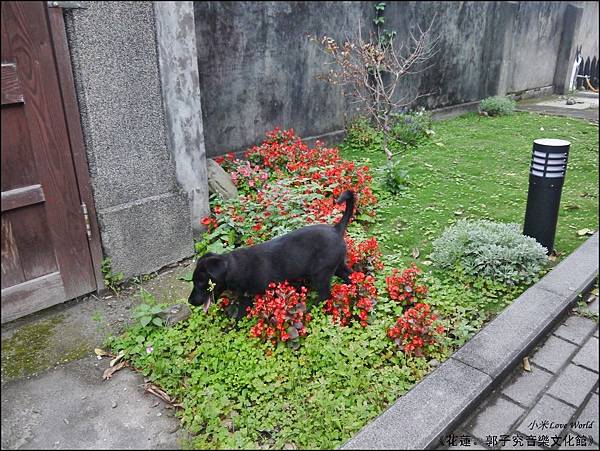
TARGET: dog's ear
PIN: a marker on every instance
(216, 266)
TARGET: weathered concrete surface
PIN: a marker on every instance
(143, 236)
(71, 407)
(258, 68)
(115, 64)
(586, 106)
(72, 330)
(53, 395)
(587, 35)
(178, 64)
(219, 181)
(566, 52)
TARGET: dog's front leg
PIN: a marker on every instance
(244, 302)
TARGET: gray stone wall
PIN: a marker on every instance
(144, 215)
(536, 42)
(587, 35)
(257, 69)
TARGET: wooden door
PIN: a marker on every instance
(46, 257)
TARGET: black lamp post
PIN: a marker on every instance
(546, 178)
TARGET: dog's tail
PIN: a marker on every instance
(350, 199)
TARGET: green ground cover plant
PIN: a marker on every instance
(498, 106)
(241, 385)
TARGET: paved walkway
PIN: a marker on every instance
(585, 107)
(53, 392)
(552, 406)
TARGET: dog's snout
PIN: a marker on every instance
(195, 298)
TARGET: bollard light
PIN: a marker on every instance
(546, 178)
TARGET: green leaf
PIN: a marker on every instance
(216, 247)
(145, 320)
(157, 321)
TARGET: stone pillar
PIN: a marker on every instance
(178, 65)
(143, 214)
(567, 48)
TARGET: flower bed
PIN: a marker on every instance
(293, 373)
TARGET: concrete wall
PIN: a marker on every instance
(143, 213)
(163, 84)
(536, 42)
(587, 35)
(257, 69)
(181, 98)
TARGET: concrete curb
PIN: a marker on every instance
(439, 402)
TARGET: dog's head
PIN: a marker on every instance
(209, 279)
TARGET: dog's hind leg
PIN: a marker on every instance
(321, 281)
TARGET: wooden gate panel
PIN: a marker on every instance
(45, 253)
(12, 271)
(18, 164)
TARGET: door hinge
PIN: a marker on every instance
(86, 220)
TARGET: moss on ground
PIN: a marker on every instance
(30, 349)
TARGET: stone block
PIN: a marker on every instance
(567, 282)
(573, 385)
(504, 341)
(144, 236)
(526, 386)
(496, 418)
(588, 420)
(553, 354)
(547, 417)
(588, 355)
(115, 65)
(219, 181)
(575, 329)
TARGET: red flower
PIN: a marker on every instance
(403, 288)
(210, 223)
(365, 256)
(355, 300)
(281, 313)
(416, 329)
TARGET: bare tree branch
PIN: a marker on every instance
(374, 69)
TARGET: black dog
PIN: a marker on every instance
(315, 253)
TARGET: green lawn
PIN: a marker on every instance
(479, 169)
